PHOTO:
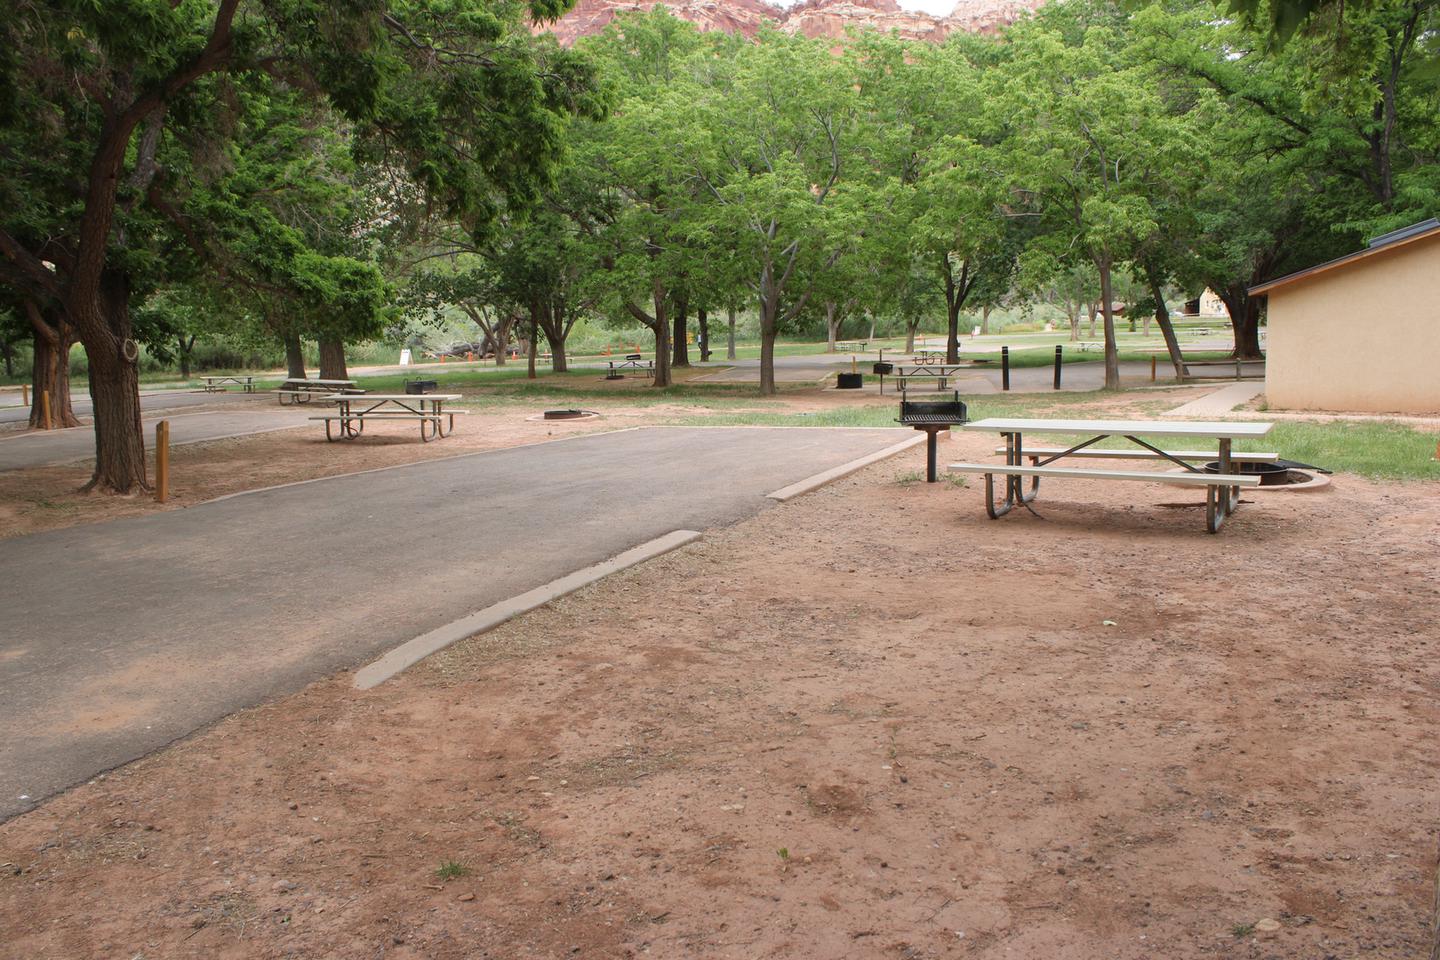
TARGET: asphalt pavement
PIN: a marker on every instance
(120, 637)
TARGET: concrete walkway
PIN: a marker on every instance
(41, 447)
(123, 636)
(1220, 401)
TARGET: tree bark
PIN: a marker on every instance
(103, 324)
(1167, 330)
(534, 349)
(1094, 311)
(1112, 356)
(7, 351)
(1244, 313)
(911, 326)
(702, 319)
(985, 320)
(294, 357)
(834, 319)
(50, 371)
(956, 293)
(332, 360)
(183, 348)
(730, 344)
(680, 356)
(768, 327)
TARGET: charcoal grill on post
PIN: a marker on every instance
(932, 416)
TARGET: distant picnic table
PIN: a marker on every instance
(303, 390)
(217, 384)
(851, 346)
(352, 410)
(1222, 489)
(633, 361)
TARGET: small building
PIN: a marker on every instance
(1361, 332)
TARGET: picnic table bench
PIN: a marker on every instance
(303, 390)
(352, 410)
(632, 361)
(1222, 489)
(218, 384)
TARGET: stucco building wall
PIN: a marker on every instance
(1363, 336)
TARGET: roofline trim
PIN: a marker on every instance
(1349, 258)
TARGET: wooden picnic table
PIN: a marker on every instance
(216, 384)
(1222, 489)
(633, 361)
(304, 389)
(851, 346)
(352, 410)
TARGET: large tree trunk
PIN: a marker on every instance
(1112, 355)
(702, 319)
(294, 357)
(834, 319)
(101, 316)
(183, 348)
(680, 356)
(769, 312)
(332, 360)
(730, 344)
(1244, 313)
(533, 350)
(7, 352)
(662, 339)
(50, 371)
(1094, 309)
(985, 320)
(911, 326)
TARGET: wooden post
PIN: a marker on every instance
(45, 410)
(1152, 368)
(24, 394)
(162, 461)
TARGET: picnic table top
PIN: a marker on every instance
(1154, 428)
(367, 397)
(317, 380)
(226, 376)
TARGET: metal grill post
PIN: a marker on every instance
(1058, 354)
(1004, 368)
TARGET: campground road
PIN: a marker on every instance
(121, 637)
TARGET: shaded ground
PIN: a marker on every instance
(870, 723)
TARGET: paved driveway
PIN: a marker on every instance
(120, 637)
(78, 443)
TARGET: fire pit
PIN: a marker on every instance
(564, 414)
(1270, 474)
(932, 416)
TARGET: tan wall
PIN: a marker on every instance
(1365, 336)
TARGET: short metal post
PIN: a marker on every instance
(1059, 352)
(1004, 368)
(1152, 368)
(930, 470)
(162, 461)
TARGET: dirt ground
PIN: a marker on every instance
(866, 723)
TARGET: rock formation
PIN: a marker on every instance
(813, 18)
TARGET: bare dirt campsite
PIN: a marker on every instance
(867, 722)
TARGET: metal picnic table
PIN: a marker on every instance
(216, 384)
(1222, 489)
(352, 410)
(303, 389)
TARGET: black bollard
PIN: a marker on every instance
(1058, 352)
(1004, 368)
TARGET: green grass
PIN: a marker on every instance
(451, 870)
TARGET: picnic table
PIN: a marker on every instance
(218, 384)
(303, 390)
(352, 410)
(632, 361)
(1222, 489)
(940, 372)
(929, 356)
(851, 346)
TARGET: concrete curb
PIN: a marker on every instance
(845, 469)
(413, 651)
